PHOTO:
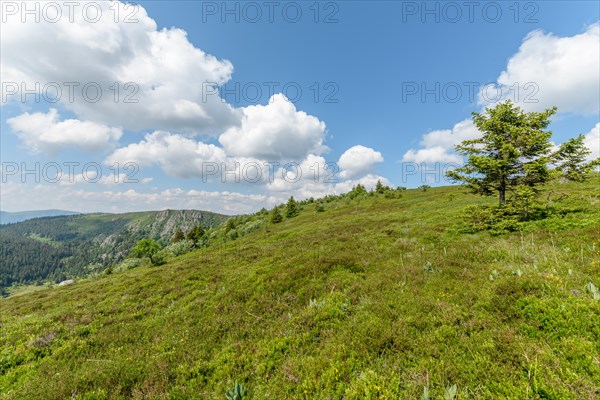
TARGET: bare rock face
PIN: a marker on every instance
(67, 282)
(167, 221)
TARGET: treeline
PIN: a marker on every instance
(28, 260)
(59, 248)
(66, 228)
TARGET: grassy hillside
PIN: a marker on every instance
(374, 298)
(57, 248)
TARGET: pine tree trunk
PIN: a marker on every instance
(502, 195)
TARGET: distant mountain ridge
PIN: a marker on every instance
(7, 217)
(62, 247)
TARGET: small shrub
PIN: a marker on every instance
(358, 190)
(276, 216)
(181, 247)
(498, 219)
(593, 290)
(237, 392)
(196, 234)
(428, 267)
(178, 237)
(148, 248)
(450, 392)
(392, 194)
(381, 188)
(230, 225)
(160, 257)
(292, 208)
(249, 227)
(127, 264)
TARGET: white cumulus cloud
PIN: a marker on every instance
(82, 199)
(45, 132)
(592, 142)
(276, 131)
(126, 74)
(177, 155)
(358, 160)
(438, 146)
(550, 70)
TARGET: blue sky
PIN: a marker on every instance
(361, 68)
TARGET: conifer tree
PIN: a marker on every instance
(276, 216)
(292, 209)
(513, 151)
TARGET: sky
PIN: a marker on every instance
(234, 106)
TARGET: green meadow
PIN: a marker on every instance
(375, 296)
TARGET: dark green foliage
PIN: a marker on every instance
(63, 247)
(522, 212)
(179, 236)
(424, 187)
(496, 219)
(357, 191)
(276, 216)
(379, 188)
(392, 194)
(230, 225)
(196, 234)
(292, 208)
(570, 160)
(25, 260)
(513, 159)
(147, 248)
(514, 150)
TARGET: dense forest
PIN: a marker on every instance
(57, 248)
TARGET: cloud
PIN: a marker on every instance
(436, 154)
(358, 160)
(46, 133)
(592, 141)
(319, 178)
(312, 171)
(43, 196)
(438, 146)
(154, 80)
(559, 71)
(149, 78)
(313, 176)
(276, 131)
(177, 155)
